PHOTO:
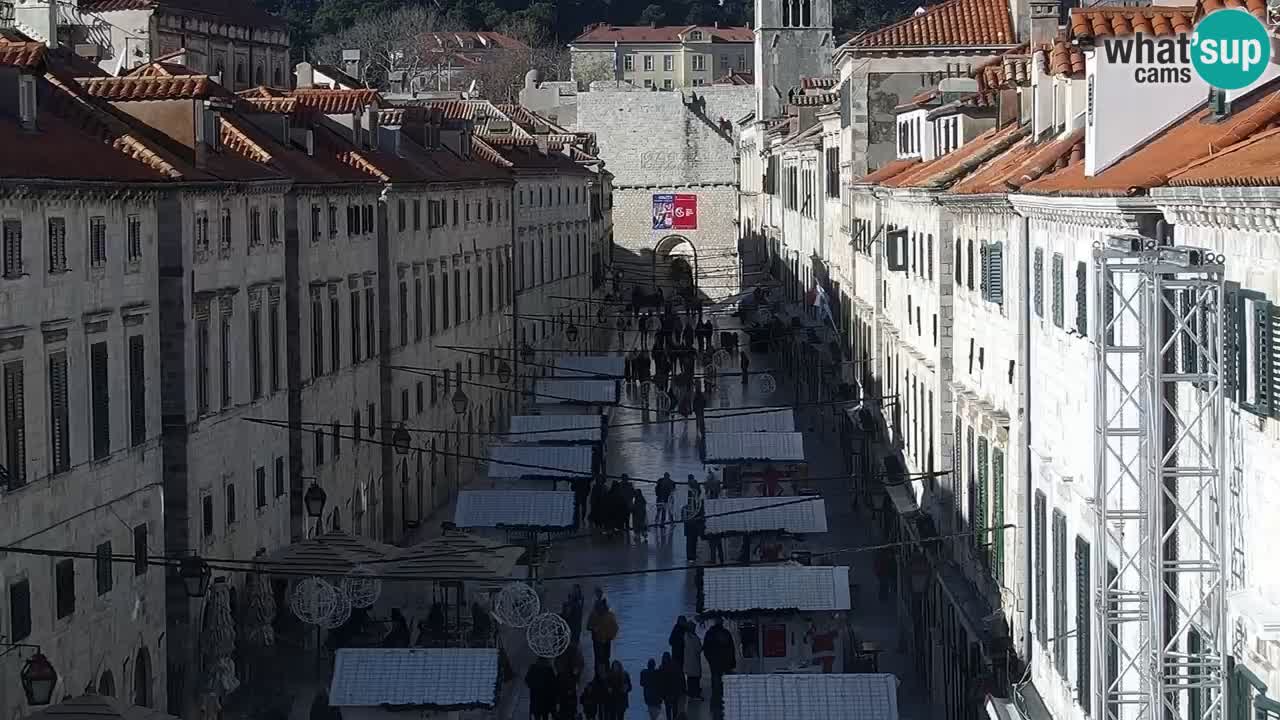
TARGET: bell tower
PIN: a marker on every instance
(793, 41)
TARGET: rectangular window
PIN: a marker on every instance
(370, 323)
(628, 63)
(336, 434)
(417, 312)
(57, 244)
(668, 62)
(417, 215)
(997, 514)
(206, 516)
(982, 523)
(202, 230)
(231, 503)
(317, 334)
(15, 424)
(255, 352)
(140, 549)
(335, 331)
(418, 393)
(699, 63)
(1084, 644)
(356, 344)
(1060, 629)
(97, 241)
(224, 339)
(404, 313)
(648, 62)
(431, 298)
(255, 227)
(1082, 302)
(457, 296)
(1041, 589)
(133, 226)
(401, 215)
(202, 365)
(315, 224)
(1037, 282)
(20, 611)
(273, 344)
(1059, 309)
(64, 583)
(12, 248)
(102, 564)
(260, 486)
(224, 229)
(279, 477)
(404, 404)
(137, 391)
(59, 419)
(273, 225)
(317, 435)
(100, 400)
(373, 411)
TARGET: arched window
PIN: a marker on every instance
(277, 78)
(107, 684)
(786, 13)
(259, 76)
(804, 13)
(142, 678)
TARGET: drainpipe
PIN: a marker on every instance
(1024, 361)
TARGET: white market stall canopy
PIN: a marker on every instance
(782, 420)
(738, 447)
(440, 678)
(791, 514)
(556, 428)
(869, 696)
(539, 461)
(587, 367)
(514, 508)
(562, 391)
(774, 587)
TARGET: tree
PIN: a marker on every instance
(388, 41)
(500, 74)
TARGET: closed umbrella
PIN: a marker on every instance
(218, 644)
(260, 613)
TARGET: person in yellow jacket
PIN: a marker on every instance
(603, 625)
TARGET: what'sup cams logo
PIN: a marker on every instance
(1229, 50)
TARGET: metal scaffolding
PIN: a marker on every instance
(1161, 544)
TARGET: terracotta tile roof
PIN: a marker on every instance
(890, 170)
(818, 83)
(402, 115)
(455, 109)
(181, 87)
(974, 101)
(605, 33)
(486, 152)
(262, 91)
(530, 120)
(1252, 163)
(1012, 69)
(953, 23)
(1196, 136)
(1063, 58)
(814, 100)
(1023, 163)
(736, 77)
(941, 172)
(1257, 8)
(27, 54)
(279, 106)
(336, 102)
(1113, 21)
(236, 12)
(924, 98)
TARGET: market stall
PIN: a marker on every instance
(871, 696)
(590, 367)
(778, 420)
(570, 396)
(426, 684)
(783, 617)
(540, 467)
(757, 463)
(764, 529)
(556, 429)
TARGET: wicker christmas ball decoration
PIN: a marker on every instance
(361, 587)
(548, 635)
(341, 612)
(516, 605)
(766, 384)
(313, 600)
(721, 359)
(763, 315)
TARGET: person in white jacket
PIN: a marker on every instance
(693, 660)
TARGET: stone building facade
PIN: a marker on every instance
(673, 57)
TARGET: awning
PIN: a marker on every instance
(782, 696)
(455, 555)
(589, 367)
(429, 678)
(539, 461)
(903, 498)
(730, 448)
(97, 707)
(561, 391)
(331, 554)
(780, 420)
(774, 587)
(789, 514)
(527, 509)
(1024, 703)
(556, 428)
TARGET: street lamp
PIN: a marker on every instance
(38, 679)
(571, 333)
(504, 372)
(195, 573)
(401, 440)
(314, 499)
(460, 402)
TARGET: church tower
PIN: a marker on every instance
(793, 41)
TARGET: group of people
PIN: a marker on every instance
(614, 507)
(667, 686)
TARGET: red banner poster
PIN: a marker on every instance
(686, 212)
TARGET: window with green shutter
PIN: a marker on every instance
(980, 517)
(1082, 299)
(993, 276)
(997, 514)
(1040, 522)
(1058, 307)
(1060, 630)
(1254, 321)
(1231, 339)
(971, 488)
(1037, 281)
(957, 473)
(1084, 644)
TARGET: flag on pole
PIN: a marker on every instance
(817, 297)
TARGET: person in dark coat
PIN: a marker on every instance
(619, 692)
(746, 365)
(717, 646)
(399, 635)
(581, 490)
(646, 323)
(574, 610)
(676, 641)
(651, 684)
(541, 680)
(598, 514)
(566, 698)
(700, 410)
(688, 336)
(672, 683)
(596, 694)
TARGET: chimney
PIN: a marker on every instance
(207, 129)
(27, 100)
(371, 125)
(305, 75)
(351, 63)
(40, 17)
(1044, 22)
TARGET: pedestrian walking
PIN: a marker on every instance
(571, 664)
(581, 491)
(662, 495)
(717, 646)
(651, 684)
(671, 681)
(676, 640)
(604, 629)
(598, 604)
(598, 492)
(746, 365)
(575, 609)
(711, 486)
(688, 336)
(693, 660)
(646, 322)
(700, 411)
(566, 698)
(619, 692)
(627, 371)
(622, 333)
(596, 695)
(639, 517)
(541, 680)
(772, 481)
(694, 520)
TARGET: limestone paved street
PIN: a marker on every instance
(646, 605)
